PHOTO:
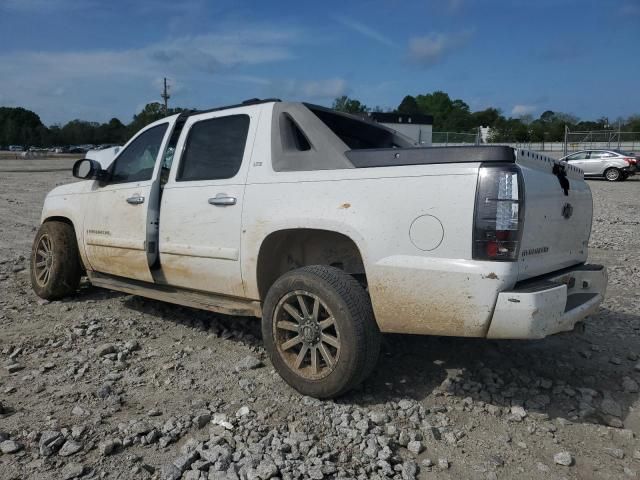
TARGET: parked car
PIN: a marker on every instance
(77, 149)
(331, 229)
(16, 148)
(614, 165)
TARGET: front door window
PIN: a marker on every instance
(137, 161)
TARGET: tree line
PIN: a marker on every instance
(454, 115)
(19, 126)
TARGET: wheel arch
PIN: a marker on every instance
(612, 167)
(291, 248)
(59, 218)
(77, 234)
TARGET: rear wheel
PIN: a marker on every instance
(320, 332)
(612, 174)
(55, 262)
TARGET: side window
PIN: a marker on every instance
(577, 156)
(596, 154)
(137, 161)
(214, 148)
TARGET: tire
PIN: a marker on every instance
(55, 245)
(353, 338)
(612, 174)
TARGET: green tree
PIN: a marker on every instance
(632, 124)
(448, 115)
(113, 132)
(19, 126)
(487, 117)
(409, 105)
(150, 113)
(349, 105)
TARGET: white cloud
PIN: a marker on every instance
(431, 49)
(208, 53)
(520, 110)
(366, 31)
(83, 84)
(325, 89)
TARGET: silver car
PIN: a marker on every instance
(614, 165)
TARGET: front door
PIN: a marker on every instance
(121, 218)
(579, 160)
(201, 208)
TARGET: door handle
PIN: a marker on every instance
(222, 200)
(135, 199)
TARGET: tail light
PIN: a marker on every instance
(630, 161)
(499, 213)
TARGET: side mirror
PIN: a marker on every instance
(87, 169)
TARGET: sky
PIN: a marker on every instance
(94, 60)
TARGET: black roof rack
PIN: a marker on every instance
(251, 101)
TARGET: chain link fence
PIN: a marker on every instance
(455, 138)
(606, 139)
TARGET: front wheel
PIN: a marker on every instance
(319, 330)
(612, 174)
(55, 262)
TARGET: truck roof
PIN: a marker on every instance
(251, 101)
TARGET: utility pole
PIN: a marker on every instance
(165, 96)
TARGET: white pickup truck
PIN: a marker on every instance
(330, 228)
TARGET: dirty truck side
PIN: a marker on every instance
(330, 228)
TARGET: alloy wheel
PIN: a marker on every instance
(43, 260)
(306, 335)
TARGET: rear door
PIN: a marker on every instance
(201, 207)
(121, 215)
(596, 162)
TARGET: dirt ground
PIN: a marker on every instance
(108, 385)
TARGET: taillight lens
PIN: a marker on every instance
(630, 161)
(499, 213)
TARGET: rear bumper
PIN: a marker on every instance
(548, 305)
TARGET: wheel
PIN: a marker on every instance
(319, 330)
(612, 174)
(55, 262)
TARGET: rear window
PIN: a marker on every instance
(358, 134)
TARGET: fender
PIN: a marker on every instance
(254, 236)
(62, 204)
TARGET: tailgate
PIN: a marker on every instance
(557, 225)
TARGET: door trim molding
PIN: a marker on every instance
(115, 242)
(223, 253)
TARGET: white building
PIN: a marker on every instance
(416, 126)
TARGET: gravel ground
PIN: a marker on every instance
(108, 385)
